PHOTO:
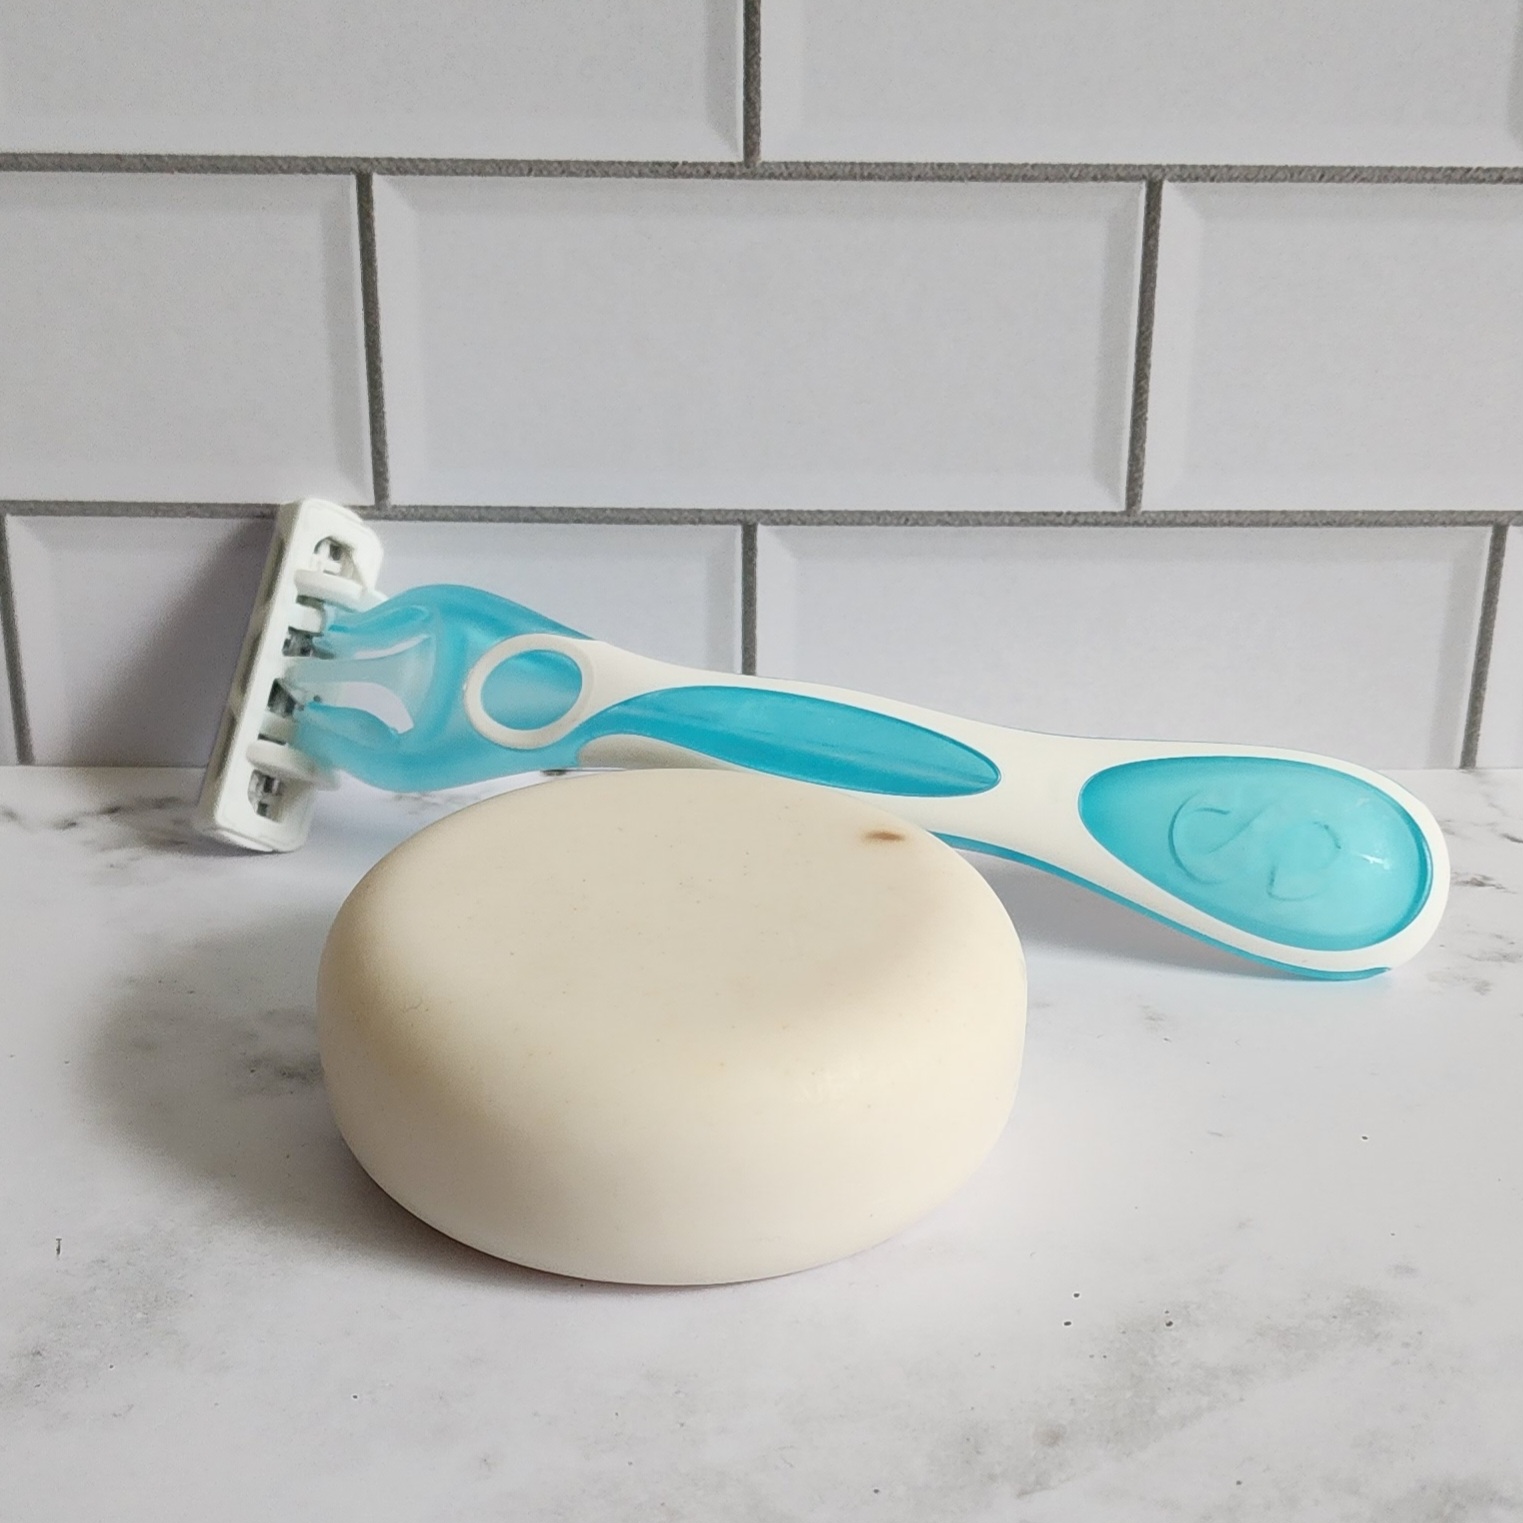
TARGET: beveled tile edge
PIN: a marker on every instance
(394, 270)
(1485, 639)
(777, 599)
(32, 642)
(1176, 275)
(732, 630)
(10, 637)
(1503, 699)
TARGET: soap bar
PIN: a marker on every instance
(671, 1027)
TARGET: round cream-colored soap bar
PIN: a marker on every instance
(671, 1027)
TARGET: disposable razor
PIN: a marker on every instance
(1300, 861)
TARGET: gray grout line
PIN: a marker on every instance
(751, 83)
(20, 719)
(370, 300)
(730, 169)
(934, 519)
(1485, 635)
(748, 602)
(1242, 518)
(50, 508)
(1142, 360)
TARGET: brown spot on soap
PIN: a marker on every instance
(883, 835)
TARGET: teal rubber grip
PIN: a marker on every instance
(1287, 850)
(436, 635)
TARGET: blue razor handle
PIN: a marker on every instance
(1303, 862)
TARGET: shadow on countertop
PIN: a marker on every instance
(1051, 913)
(208, 1064)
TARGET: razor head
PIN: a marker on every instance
(260, 791)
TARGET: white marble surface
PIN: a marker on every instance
(1248, 1250)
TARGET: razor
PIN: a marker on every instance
(1303, 862)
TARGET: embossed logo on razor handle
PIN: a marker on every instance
(1215, 839)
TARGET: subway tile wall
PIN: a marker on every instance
(757, 345)
(463, 78)
(1128, 366)
(180, 336)
(1183, 81)
(1338, 346)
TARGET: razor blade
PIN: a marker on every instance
(260, 791)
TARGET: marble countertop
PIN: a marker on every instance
(1249, 1249)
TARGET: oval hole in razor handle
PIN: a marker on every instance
(1299, 861)
(745, 725)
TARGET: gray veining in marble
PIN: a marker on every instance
(1249, 1249)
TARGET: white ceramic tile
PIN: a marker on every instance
(670, 591)
(605, 342)
(1502, 721)
(449, 78)
(194, 338)
(129, 632)
(1337, 346)
(1350, 642)
(1256, 81)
